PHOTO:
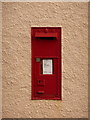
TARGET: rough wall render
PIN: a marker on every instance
(18, 18)
(0, 60)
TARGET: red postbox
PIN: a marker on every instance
(46, 63)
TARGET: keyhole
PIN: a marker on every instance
(39, 81)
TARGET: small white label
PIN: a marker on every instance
(47, 66)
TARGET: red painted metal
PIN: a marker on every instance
(46, 44)
(38, 34)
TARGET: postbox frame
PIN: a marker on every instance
(33, 97)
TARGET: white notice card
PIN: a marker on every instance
(47, 66)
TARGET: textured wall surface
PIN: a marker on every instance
(0, 60)
(18, 18)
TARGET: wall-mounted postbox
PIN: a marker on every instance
(46, 62)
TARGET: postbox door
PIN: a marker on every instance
(46, 81)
